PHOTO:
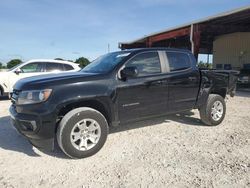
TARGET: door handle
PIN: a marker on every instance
(153, 83)
(192, 78)
(159, 82)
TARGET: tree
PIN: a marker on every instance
(1, 65)
(13, 63)
(202, 64)
(58, 58)
(61, 59)
(82, 61)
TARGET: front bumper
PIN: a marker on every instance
(38, 129)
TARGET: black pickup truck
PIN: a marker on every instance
(78, 108)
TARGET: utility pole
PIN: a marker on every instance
(108, 48)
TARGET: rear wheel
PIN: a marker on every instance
(82, 132)
(213, 112)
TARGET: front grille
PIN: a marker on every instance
(14, 96)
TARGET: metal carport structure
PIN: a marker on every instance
(197, 36)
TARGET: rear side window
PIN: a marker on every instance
(32, 67)
(246, 66)
(178, 61)
(147, 63)
(67, 67)
(227, 66)
(54, 67)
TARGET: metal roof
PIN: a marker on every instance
(210, 18)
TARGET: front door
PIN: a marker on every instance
(145, 94)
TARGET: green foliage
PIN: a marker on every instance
(61, 59)
(58, 58)
(2, 66)
(82, 61)
(202, 64)
(13, 63)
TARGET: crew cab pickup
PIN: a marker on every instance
(77, 109)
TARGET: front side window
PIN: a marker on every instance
(32, 67)
(147, 63)
(54, 67)
(178, 61)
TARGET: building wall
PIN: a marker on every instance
(233, 49)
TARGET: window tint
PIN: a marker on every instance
(178, 61)
(32, 67)
(246, 66)
(146, 63)
(54, 67)
(227, 66)
(67, 67)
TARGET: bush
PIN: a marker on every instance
(82, 61)
(13, 63)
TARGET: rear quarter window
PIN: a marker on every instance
(178, 61)
(67, 67)
(53, 67)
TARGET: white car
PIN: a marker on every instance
(33, 68)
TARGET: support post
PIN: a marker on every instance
(196, 40)
(149, 42)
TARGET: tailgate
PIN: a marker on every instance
(232, 76)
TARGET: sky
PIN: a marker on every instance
(69, 29)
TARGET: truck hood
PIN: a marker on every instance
(38, 82)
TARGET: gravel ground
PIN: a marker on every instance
(174, 151)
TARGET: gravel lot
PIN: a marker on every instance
(174, 151)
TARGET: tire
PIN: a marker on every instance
(71, 132)
(207, 114)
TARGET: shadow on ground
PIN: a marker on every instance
(184, 118)
(10, 139)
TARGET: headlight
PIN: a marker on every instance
(33, 96)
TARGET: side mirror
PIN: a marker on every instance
(18, 71)
(129, 72)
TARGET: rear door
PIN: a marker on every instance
(146, 94)
(183, 81)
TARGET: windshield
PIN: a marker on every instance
(106, 63)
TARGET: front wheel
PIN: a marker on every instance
(213, 112)
(82, 132)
